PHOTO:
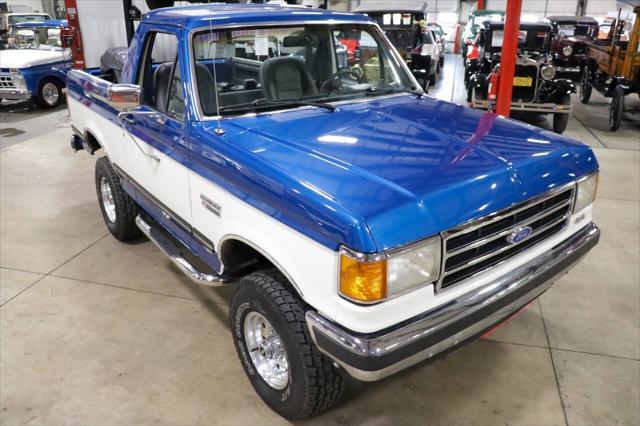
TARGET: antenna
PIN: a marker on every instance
(219, 130)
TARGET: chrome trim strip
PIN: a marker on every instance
(506, 232)
(492, 218)
(173, 254)
(481, 259)
(526, 106)
(474, 224)
(450, 313)
(568, 69)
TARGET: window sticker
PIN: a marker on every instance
(497, 38)
(262, 45)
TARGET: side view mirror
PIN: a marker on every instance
(124, 97)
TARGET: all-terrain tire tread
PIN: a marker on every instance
(326, 385)
(129, 209)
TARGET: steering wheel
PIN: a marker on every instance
(335, 82)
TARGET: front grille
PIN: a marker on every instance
(6, 81)
(525, 94)
(473, 248)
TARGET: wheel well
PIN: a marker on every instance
(52, 78)
(240, 258)
(92, 141)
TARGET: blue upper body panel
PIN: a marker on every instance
(197, 16)
(50, 23)
(372, 175)
(400, 169)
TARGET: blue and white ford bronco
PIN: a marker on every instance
(365, 226)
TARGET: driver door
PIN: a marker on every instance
(158, 155)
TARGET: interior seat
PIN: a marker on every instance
(161, 79)
(286, 77)
(206, 88)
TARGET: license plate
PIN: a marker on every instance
(522, 81)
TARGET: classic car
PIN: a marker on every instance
(535, 86)
(569, 46)
(35, 65)
(474, 25)
(613, 69)
(364, 226)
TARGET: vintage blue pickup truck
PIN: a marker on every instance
(365, 226)
(35, 65)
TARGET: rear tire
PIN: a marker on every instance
(119, 211)
(585, 86)
(276, 351)
(616, 110)
(560, 121)
(49, 94)
(432, 79)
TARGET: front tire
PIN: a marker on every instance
(119, 211)
(616, 109)
(560, 120)
(276, 351)
(49, 94)
(585, 87)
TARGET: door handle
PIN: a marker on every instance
(158, 118)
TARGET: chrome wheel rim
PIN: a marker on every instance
(50, 93)
(266, 350)
(107, 200)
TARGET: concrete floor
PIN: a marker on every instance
(95, 332)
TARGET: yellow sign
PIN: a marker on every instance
(522, 81)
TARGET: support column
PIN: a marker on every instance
(508, 61)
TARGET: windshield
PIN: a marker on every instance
(42, 38)
(254, 68)
(530, 40)
(576, 30)
(480, 19)
(14, 19)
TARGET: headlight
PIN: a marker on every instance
(587, 188)
(18, 79)
(567, 50)
(372, 279)
(548, 72)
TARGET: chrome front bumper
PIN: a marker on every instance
(14, 94)
(371, 357)
(528, 107)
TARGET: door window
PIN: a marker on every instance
(157, 75)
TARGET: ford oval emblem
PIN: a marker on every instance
(519, 234)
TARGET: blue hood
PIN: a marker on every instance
(406, 169)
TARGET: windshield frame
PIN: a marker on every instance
(201, 116)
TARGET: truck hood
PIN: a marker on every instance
(410, 168)
(24, 58)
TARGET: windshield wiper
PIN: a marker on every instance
(374, 92)
(264, 103)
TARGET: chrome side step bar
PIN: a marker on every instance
(174, 255)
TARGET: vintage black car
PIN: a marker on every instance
(535, 86)
(569, 45)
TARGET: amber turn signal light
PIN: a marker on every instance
(363, 281)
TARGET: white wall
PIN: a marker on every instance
(25, 5)
(544, 8)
